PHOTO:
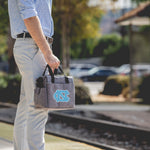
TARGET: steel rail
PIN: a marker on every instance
(100, 123)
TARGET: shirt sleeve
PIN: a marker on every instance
(27, 8)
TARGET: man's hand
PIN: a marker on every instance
(52, 60)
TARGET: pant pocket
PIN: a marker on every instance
(25, 48)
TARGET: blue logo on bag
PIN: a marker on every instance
(61, 96)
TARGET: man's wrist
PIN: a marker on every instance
(48, 52)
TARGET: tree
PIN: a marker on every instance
(3, 25)
(84, 48)
(3, 16)
(74, 21)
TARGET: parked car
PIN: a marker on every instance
(124, 69)
(138, 69)
(141, 69)
(77, 70)
(98, 74)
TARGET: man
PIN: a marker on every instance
(32, 27)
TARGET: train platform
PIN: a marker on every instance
(52, 142)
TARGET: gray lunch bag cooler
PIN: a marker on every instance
(54, 92)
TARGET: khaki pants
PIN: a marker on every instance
(29, 126)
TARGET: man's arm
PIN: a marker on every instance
(34, 28)
(29, 15)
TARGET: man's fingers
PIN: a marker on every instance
(54, 62)
(57, 64)
(54, 66)
(53, 69)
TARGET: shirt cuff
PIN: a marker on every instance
(28, 13)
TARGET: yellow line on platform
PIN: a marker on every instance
(52, 142)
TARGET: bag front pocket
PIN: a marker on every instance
(40, 97)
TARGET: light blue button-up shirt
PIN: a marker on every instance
(22, 9)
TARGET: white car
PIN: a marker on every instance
(77, 70)
(138, 69)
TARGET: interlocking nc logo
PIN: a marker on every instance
(61, 96)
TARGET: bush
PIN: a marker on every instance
(82, 95)
(114, 85)
(10, 89)
(118, 84)
(144, 90)
(111, 47)
(135, 88)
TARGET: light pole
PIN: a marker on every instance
(131, 60)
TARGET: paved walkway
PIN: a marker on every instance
(110, 106)
(132, 114)
(52, 142)
(5, 144)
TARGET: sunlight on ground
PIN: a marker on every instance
(107, 98)
(52, 142)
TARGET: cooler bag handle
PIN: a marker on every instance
(52, 74)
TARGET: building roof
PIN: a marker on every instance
(142, 11)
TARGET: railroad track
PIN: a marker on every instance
(100, 123)
(139, 137)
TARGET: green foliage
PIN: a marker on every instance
(138, 1)
(111, 47)
(6, 78)
(113, 44)
(106, 43)
(82, 95)
(3, 16)
(145, 29)
(3, 80)
(83, 48)
(3, 44)
(9, 87)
